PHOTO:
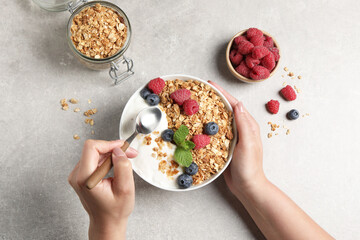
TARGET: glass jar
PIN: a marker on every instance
(113, 62)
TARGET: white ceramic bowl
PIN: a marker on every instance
(124, 127)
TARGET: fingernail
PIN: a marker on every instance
(241, 107)
(132, 150)
(118, 152)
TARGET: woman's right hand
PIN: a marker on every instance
(246, 168)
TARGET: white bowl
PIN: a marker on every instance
(130, 123)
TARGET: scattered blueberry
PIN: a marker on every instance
(192, 169)
(167, 135)
(144, 93)
(293, 114)
(152, 99)
(211, 128)
(184, 180)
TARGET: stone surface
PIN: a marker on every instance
(317, 164)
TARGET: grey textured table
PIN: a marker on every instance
(317, 164)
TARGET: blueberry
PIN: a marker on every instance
(167, 135)
(152, 99)
(184, 180)
(211, 128)
(293, 114)
(192, 169)
(144, 93)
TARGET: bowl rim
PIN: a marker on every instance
(232, 69)
(232, 144)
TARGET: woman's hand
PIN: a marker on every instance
(110, 203)
(246, 167)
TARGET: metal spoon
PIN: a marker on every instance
(146, 122)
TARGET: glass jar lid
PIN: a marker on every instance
(59, 5)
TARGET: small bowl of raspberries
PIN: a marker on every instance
(252, 55)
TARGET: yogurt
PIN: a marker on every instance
(146, 164)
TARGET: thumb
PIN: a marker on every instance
(123, 182)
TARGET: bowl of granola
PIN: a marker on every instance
(195, 139)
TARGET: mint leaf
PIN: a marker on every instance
(180, 135)
(183, 156)
(189, 145)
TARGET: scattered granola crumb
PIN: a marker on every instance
(299, 77)
(64, 105)
(77, 110)
(269, 135)
(89, 101)
(274, 126)
(293, 78)
(73, 101)
(90, 112)
(147, 140)
(156, 132)
(276, 134)
(92, 132)
(297, 89)
(307, 114)
(288, 132)
(76, 137)
(284, 84)
(291, 74)
(153, 155)
(282, 75)
(286, 69)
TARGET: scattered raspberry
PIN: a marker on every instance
(251, 62)
(180, 96)
(269, 42)
(156, 85)
(273, 106)
(245, 47)
(269, 61)
(251, 32)
(201, 140)
(259, 72)
(259, 52)
(257, 40)
(243, 69)
(191, 107)
(235, 57)
(238, 39)
(288, 93)
(275, 51)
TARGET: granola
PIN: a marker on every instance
(98, 32)
(214, 156)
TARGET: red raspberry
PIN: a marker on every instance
(156, 85)
(201, 140)
(269, 43)
(191, 107)
(251, 62)
(251, 32)
(269, 61)
(257, 40)
(238, 39)
(273, 106)
(275, 51)
(180, 96)
(243, 69)
(259, 72)
(245, 47)
(259, 52)
(288, 93)
(235, 57)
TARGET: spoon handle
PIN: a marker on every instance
(105, 167)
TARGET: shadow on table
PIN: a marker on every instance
(238, 207)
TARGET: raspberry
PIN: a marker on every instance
(269, 61)
(259, 72)
(257, 40)
(245, 47)
(275, 51)
(156, 85)
(191, 107)
(238, 39)
(251, 32)
(273, 106)
(269, 43)
(180, 96)
(243, 69)
(235, 57)
(201, 140)
(259, 52)
(251, 62)
(288, 93)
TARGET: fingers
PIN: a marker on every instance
(232, 100)
(123, 182)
